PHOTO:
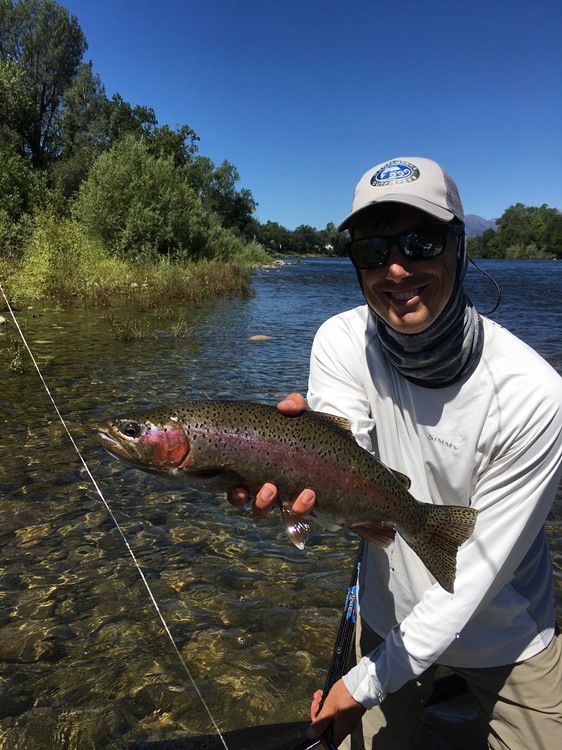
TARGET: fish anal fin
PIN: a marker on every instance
(378, 532)
(295, 526)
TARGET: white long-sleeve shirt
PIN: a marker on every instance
(494, 443)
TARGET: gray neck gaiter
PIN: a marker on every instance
(448, 350)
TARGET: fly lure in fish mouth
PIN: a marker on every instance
(116, 523)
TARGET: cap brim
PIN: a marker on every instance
(408, 200)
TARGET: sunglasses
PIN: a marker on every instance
(420, 243)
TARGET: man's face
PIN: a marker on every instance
(408, 295)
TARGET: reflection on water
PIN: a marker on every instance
(84, 661)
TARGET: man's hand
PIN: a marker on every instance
(265, 500)
(339, 710)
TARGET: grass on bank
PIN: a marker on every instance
(62, 265)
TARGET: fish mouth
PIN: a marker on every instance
(116, 447)
(105, 438)
(113, 446)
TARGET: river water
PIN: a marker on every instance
(85, 663)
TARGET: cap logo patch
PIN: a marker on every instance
(395, 172)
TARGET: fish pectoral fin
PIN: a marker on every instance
(378, 532)
(404, 480)
(297, 528)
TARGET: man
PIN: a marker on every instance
(474, 417)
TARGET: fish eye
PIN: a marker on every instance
(131, 429)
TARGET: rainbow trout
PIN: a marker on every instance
(216, 445)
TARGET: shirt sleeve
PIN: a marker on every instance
(335, 385)
(513, 494)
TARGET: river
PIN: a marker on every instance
(85, 663)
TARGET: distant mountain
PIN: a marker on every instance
(476, 225)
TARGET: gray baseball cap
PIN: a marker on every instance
(411, 180)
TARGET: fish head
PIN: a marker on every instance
(159, 447)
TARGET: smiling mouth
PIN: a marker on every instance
(405, 295)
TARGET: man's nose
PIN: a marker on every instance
(397, 265)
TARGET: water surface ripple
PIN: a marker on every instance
(84, 661)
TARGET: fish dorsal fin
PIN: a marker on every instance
(405, 481)
(342, 422)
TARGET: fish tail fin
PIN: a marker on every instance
(438, 538)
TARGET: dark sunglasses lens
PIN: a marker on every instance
(372, 252)
(424, 243)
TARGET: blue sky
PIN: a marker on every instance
(303, 96)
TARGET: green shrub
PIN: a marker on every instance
(140, 206)
(14, 235)
(21, 187)
(60, 263)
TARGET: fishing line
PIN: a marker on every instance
(115, 521)
(498, 288)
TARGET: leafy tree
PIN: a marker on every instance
(515, 225)
(485, 245)
(13, 104)
(216, 186)
(180, 145)
(273, 236)
(21, 193)
(305, 240)
(332, 241)
(20, 187)
(84, 109)
(47, 43)
(523, 232)
(83, 117)
(121, 119)
(553, 233)
(141, 205)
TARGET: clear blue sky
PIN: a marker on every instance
(303, 96)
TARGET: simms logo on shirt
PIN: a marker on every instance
(446, 443)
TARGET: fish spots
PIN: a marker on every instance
(248, 444)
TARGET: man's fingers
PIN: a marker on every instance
(265, 500)
(293, 404)
(305, 502)
(237, 496)
(315, 705)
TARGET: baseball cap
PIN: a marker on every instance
(411, 180)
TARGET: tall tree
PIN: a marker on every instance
(84, 138)
(47, 44)
(13, 104)
(216, 187)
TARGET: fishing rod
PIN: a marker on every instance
(342, 648)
